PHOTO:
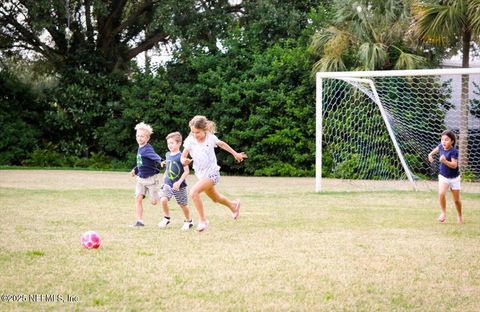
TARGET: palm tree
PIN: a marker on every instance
(446, 23)
(366, 35)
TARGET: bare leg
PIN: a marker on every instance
(186, 212)
(458, 205)
(221, 199)
(164, 202)
(201, 186)
(139, 207)
(442, 191)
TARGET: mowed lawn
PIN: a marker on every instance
(290, 250)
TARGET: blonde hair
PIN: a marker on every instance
(143, 126)
(177, 136)
(202, 123)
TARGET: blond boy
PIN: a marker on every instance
(146, 171)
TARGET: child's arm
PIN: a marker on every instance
(186, 172)
(238, 156)
(184, 158)
(433, 152)
(134, 171)
(451, 164)
(164, 175)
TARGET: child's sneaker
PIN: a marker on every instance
(163, 224)
(137, 224)
(442, 218)
(202, 226)
(187, 225)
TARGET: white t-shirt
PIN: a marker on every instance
(203, 154)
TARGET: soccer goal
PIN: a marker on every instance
(374, 128)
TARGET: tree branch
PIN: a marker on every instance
(133, 18)
(105, 34)
(147, 44)
(88, 20)
(30, 38)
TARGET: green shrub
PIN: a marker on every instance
(21, 119)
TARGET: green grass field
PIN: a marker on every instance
(291, 249)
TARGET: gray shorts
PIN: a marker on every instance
(148, 186)
(214, 176)
(180, 195)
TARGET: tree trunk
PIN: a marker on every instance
(463, 135)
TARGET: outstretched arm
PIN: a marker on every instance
(238, 156)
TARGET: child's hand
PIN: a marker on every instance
(163, 163)
(187, 161)
(240, 156)
(430, 158)
(132, 173)
(176, 186)
(442, 159)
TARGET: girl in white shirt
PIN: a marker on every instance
(200, 144)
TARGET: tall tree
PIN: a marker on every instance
(89, 45)
(366, 35)
(103, 36)
(447, 23)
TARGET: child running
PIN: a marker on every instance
(200, 144)
(146, 171)
(174, 182)
(449, 176)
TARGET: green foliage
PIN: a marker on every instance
(349, 127)
(103, 36)
(407, 106)
(21, 119)
(369, 35)
(281, 122)
(346, 128)
(261, 100)
(49, 157)
(244, 66)
(80, 104)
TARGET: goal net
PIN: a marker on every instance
(375, 129)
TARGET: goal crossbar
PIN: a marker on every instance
(399, 73)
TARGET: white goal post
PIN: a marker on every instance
(409, 102)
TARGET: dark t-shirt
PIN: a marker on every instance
(147, 162)
(174, 169)
(446, 171)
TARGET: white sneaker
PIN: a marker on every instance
(163, 224)
(137, 224)
(202, 226)
(187, 225)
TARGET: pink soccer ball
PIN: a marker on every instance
(90, 239)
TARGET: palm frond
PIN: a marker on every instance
(372, 55)
(326, 64)
(439, 24)
(321, 38)
(474, 15)
(409, 61)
